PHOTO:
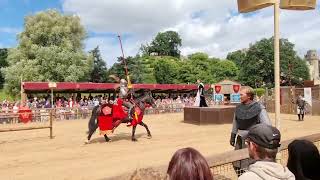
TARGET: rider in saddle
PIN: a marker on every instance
(124, 93)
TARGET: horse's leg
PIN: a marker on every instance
(133, 132)
(92, 129)
(107, 138)
(92, 125)
(145, 126)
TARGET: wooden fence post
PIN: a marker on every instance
(51, 118)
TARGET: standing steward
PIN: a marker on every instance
(247, 114)
(301, 107)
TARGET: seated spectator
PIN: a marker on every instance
(188, 164)
(304, 160)
(263, 142)
(146, 174)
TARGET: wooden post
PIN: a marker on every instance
(77, 113)
(51, 118)
(276, 64)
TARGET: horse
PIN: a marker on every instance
(139, 102)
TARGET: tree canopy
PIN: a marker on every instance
(99, 71)
(3, 63)
(164, 44)
(50, 49)
(256, 64)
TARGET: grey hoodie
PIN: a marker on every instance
(266, 170)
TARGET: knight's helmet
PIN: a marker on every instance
(123, 88)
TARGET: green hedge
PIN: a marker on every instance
(260, 91)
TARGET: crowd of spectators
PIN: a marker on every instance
(80, 107)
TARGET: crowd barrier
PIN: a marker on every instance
(15, 118)
(42, 115)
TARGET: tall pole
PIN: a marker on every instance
(124, 61)
(125, 65)
(276, 64)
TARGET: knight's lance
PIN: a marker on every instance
(125, 65)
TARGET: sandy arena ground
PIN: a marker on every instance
(32, 155)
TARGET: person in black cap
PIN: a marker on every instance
(263, 142)
(247, 114)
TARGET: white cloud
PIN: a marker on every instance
(9, 30)
(110, 47)
(204, 25)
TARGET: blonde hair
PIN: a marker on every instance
(249, 91)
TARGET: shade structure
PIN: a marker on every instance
(245, 6)
(298, 4)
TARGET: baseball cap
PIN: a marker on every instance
(265, 135)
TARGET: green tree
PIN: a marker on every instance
(198, 66)
(225, 69)
(99, 72)
(166, 70)
(134, 66)
(165, 44)
(3, 63)
(50, 49)
(237, 57)
(257, 68)
(147, 69)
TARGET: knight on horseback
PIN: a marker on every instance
(125, 99)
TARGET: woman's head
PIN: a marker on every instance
(304, 160)
(188, 163)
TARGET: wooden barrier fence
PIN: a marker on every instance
(221, 164)
(16, 115)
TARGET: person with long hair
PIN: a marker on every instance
(188, 164)
(304, 160)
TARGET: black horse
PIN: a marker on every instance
(140, 102)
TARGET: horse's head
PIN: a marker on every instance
(147, 98)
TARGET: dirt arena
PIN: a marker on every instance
(32, 155)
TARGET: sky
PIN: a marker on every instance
(211, 26)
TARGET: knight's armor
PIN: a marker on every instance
(123, 94)
(123, 89)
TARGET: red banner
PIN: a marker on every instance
(25, 114)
